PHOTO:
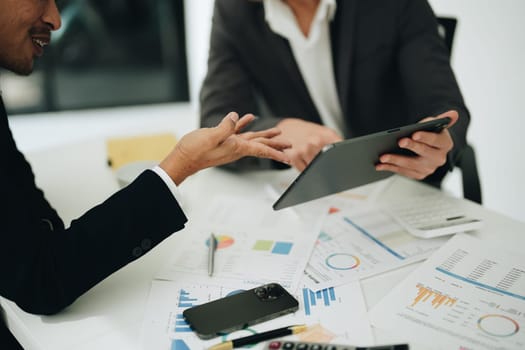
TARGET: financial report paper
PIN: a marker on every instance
(468, 295)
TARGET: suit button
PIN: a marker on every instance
(137, 251)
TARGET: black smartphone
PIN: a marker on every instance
(240, 310)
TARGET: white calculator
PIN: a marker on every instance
(433, 215)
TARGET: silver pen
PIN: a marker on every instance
(212, 246)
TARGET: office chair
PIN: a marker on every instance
(467, 159)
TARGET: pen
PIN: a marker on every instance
(212, 246)
(256, 338)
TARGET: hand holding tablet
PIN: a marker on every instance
(351, 163)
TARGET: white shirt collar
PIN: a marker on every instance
(282, 21)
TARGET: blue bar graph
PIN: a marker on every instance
(179, 344)
(184, 299)
(181, 326)
(310, 299)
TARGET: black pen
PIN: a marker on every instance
(256, 338)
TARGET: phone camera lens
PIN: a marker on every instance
(274, 291)
(261, 292)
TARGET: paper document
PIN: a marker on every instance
(468, 295)
(360, 243)
(336, 315)
(254, 245)
(355, 197)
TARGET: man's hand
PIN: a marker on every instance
(431, 151)
(307, 140)
(222, 144)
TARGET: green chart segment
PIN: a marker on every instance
(282, 248)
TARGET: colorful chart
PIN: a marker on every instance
(342, 261)
(438, 299)
(282, 248)
(498, 325)
(223, 241)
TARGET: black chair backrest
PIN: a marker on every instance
(467, 160)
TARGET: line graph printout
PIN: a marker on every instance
(467, 295)
(254, 245)
(356, 244)
(342, 320)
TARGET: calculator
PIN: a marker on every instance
(295, 345)
(433, 215)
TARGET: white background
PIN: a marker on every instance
(488, 59)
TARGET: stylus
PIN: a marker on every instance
(212, 247)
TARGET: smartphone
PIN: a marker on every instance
(240, 310)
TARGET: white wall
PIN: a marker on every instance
(489, 61)
(488, 58)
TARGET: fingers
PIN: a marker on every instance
(300, 157)
(264, 151)
(452, 114)
(244, 121)
(408, 172)
(268, 133)
(224, 129)
(415, 167)
(428, 145)
(274, 143)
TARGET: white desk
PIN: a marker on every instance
(109, 316)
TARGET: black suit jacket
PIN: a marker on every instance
(44, 266)
(391, 69)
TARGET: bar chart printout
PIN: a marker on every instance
(466, 296)
(333, 315)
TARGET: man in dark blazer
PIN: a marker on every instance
(391, 68)
(45, 266)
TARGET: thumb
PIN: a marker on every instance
(227, 126)
(452, 114)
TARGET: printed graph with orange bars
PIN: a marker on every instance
(437, 299)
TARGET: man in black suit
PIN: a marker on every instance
(45, 266)
(325, 70)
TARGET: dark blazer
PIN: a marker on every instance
(44, 266)
(391, 68)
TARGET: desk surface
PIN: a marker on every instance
(109, 316)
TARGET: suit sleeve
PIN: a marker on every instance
(228, 85)
(45, 266)
(427, 75)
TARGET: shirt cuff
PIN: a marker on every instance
(169, 182)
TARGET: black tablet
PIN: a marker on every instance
(350, 163)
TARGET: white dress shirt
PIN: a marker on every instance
(313, 55)
(169, 182)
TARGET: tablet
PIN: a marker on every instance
(350, 163)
